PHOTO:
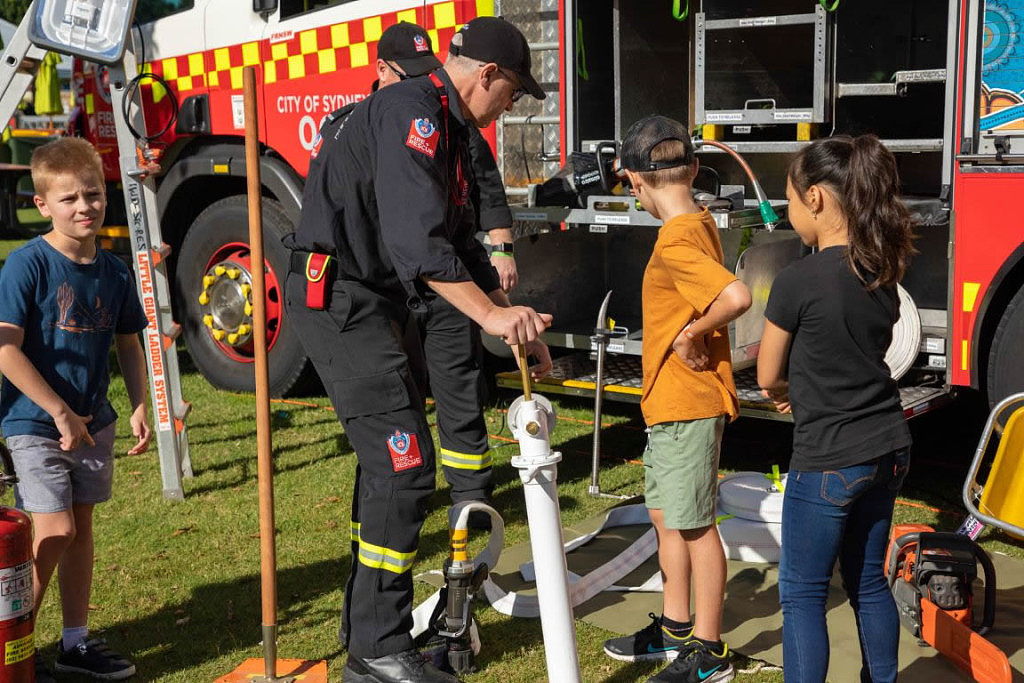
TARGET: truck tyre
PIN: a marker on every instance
(1005, 365)
(214, 300)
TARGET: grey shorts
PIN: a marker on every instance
(681, 471)
(50, 480)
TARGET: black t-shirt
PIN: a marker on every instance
(846, 407)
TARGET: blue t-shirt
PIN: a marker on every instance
(70, 313)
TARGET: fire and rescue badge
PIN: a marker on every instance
(423, 136)
(421, 43)
(404, 451)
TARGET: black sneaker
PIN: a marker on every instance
(647, 644)
(408, 666)
(43, 673)
(93, 658)
(697, 664)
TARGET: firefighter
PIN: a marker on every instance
(451, 341)
(386, 227)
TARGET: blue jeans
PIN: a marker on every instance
(842, 514)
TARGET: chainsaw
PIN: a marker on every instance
(931, 575)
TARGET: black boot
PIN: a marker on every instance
(408, 666)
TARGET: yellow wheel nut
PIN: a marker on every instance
(208, 321)
(244, 329)
(218, 334)
(248, 308)
(246, 289)
(220, 270)
(233, 273)
(208, 280)
(204, 298)
(232, 338)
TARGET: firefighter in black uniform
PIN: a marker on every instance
(386, 226)
(451, 341)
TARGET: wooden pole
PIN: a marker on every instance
(524, 369)
(264, 448)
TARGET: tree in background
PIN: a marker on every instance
(14, 10)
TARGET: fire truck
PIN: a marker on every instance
(939, 82)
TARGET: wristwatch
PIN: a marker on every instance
(502, 248)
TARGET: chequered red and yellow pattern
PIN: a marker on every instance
(312, 52)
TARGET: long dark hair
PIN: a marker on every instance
(861, 173)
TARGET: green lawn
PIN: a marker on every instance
(177, 583)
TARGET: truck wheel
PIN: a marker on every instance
(213, 282)
(1005, 365)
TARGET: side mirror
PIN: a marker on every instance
(264, 6)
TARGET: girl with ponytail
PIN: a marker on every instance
(828, 324)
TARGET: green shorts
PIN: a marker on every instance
(681, 471)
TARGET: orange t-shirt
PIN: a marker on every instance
(684, 275)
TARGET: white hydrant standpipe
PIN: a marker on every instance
(537, 464)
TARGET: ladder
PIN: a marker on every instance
(18, 66)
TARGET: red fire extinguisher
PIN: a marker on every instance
(17, 622)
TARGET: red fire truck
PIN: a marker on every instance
(940, 82)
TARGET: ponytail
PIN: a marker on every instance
(862, 175)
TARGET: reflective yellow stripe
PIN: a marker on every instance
(465, 461)
(379, 557)
(971, 290)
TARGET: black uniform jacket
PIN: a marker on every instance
(388, 193)
(489, 191)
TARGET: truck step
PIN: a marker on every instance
(575, 375)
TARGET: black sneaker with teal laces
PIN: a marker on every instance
(697, 664)
(93, 658)
(651, 643)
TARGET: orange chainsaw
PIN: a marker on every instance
(931, 575)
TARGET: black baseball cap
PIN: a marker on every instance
(492, 39)
(646, 134)
(409, 46)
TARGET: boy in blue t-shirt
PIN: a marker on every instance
(64, 301)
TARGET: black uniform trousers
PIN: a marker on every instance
(366, 350)
(454, 356)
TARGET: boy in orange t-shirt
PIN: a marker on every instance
(689, 298)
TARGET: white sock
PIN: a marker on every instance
(70, 637)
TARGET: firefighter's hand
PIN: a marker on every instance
(693, 352)
(140, 430)
(73, 430)
(515, 324)
(505, 264)
(780, 397)
(538, 350)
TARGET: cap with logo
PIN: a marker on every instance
(646, 134)
(409, 46)
(492, 39)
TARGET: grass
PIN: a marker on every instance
(177, 583)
